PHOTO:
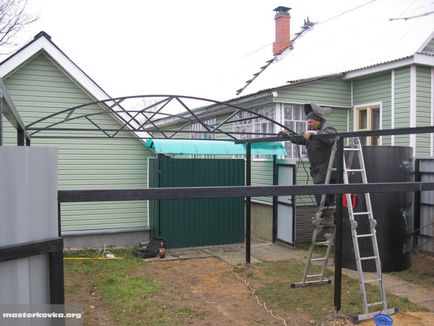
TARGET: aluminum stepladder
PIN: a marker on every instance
(318, 278)
(353, 216)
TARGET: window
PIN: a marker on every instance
(294, 118)
(199, 127)
(254, 127)
(203, 135)
(250, 127)
(368, 118)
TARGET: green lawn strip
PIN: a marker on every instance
(273, 280)
(132, 298)
(412, 276)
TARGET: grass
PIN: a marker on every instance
(131, 298)
(412, 276)
(272, 281)
(136, 299)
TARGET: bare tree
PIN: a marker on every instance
(13, 18)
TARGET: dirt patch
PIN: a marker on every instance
(424, 266)
(208, 286)
(407, 319)
(79, 289)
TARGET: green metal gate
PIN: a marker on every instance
(197, 222)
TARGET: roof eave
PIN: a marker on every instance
(407, 61)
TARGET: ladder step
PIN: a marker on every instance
(362, 213)
(323, 243)
(355, 170)
(368, 257)
(379, 303)
(351, 149)
(302, 284)
(373, 280)
(319, 259)
(366, 235)
(327, 207)
(314, 275)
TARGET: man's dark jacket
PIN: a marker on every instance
(318, 152)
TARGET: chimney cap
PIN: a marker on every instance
(281, 9)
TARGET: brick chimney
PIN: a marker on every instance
(283, 19)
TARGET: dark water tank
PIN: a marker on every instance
(392, 211)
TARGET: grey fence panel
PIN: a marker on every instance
(426, 233)
(28, 212)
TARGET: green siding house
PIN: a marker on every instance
(373, 66)
(42, 80)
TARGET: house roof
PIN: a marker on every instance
(378, 33)
(42, 42)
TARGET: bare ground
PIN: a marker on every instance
(208, 286)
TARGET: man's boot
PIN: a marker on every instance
(325, 222)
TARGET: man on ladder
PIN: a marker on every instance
(318, 153)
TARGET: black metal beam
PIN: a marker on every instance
(236, 191)
(383, 132)
(27, 249)
(417, 204)
(7, 109)
(248, 201)
(1, 118)
(339, 226)
(275, 200)
(20, 137)
(56, 277)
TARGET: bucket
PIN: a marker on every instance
(383, 320)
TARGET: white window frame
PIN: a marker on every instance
(252, 125)
(300, 152)
(369, 123)
(197, 126)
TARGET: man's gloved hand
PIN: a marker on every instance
(309, 133)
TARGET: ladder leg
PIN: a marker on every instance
(370, 235)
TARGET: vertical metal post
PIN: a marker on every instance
(158, 186)
(275, 183)
(1, 118)
(416, 206)
(248, 200)
(59, 225)
(27, 141)
(57, 283)
(339, 216)
(20, 137)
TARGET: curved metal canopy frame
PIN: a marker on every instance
(152, 116)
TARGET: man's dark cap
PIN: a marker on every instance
(312, 115)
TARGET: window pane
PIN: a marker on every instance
(298, 112)
(375, 118)
(363, 119)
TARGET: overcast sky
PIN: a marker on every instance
(184, 47)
